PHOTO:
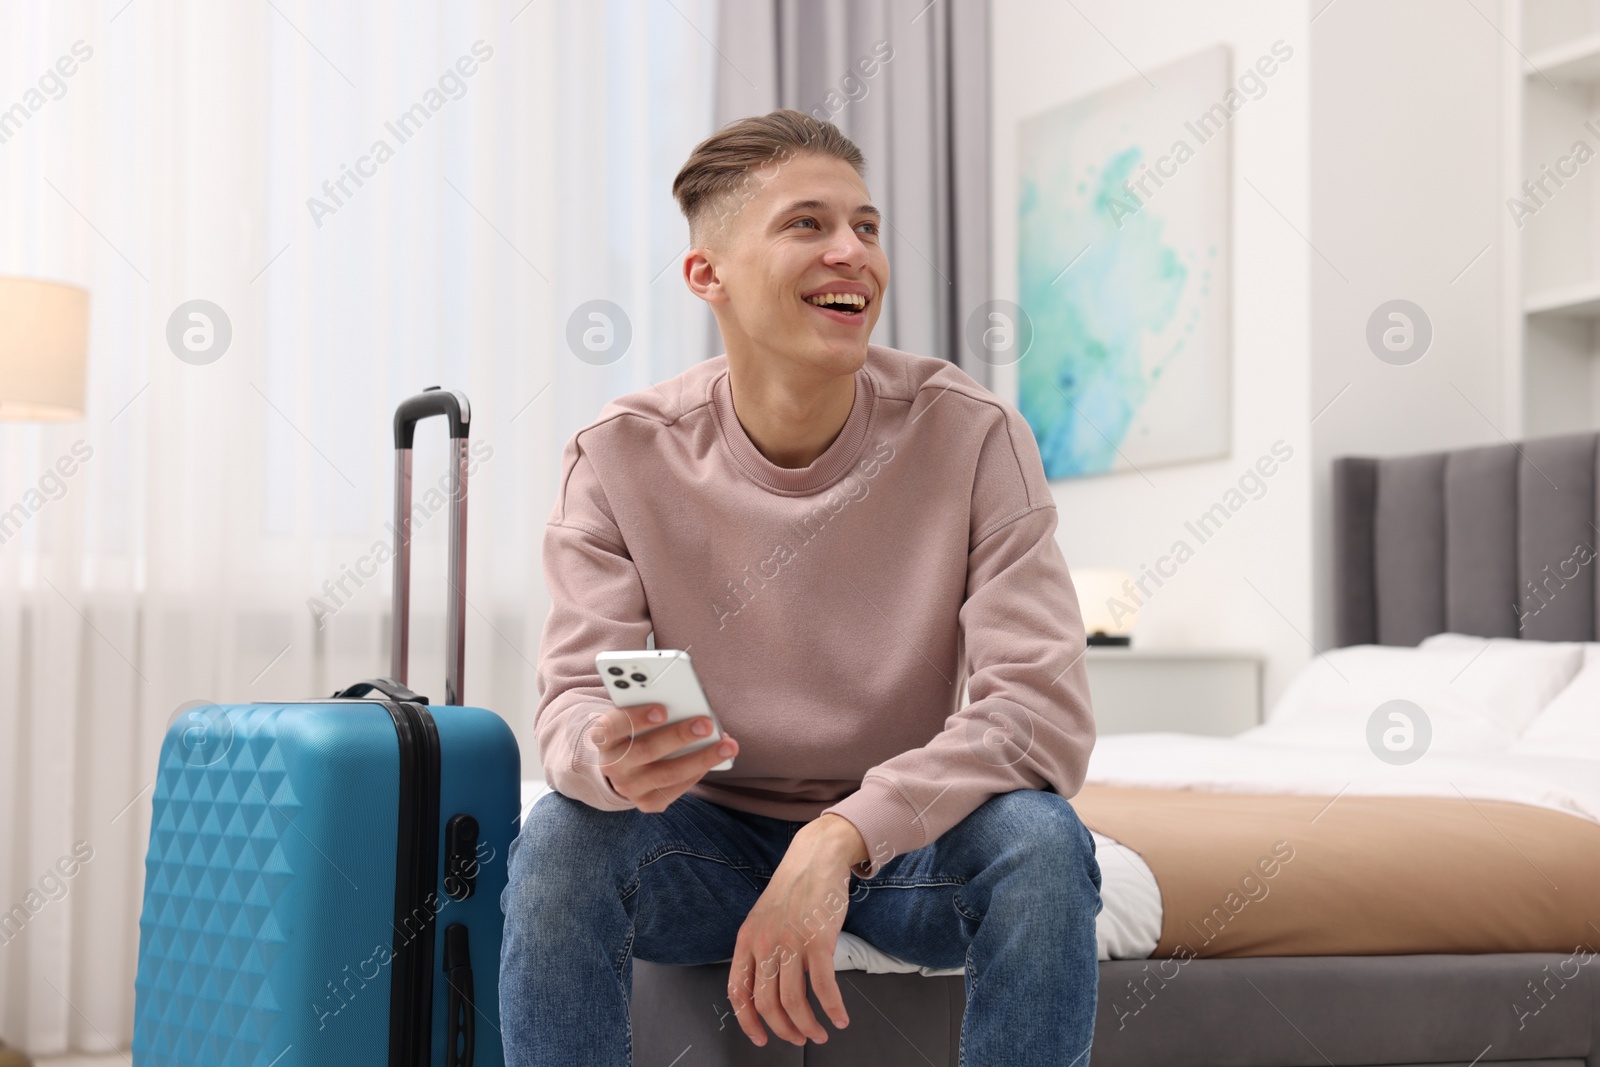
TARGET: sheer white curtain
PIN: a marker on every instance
(206, 152)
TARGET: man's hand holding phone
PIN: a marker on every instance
(633, 746)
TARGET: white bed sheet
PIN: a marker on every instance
(1254, 763)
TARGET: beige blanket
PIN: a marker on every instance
(1246, 874)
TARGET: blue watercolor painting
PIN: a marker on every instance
(1123, 271)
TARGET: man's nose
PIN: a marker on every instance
(848, 247)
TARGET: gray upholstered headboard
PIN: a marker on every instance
(1497, 541)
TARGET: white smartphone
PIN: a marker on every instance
(662, 676)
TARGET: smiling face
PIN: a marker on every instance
(809, 230)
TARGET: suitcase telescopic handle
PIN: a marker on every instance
(453, 405)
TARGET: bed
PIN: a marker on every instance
(1465, 585)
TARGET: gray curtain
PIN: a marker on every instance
(922, 121)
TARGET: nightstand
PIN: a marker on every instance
(1191, 691)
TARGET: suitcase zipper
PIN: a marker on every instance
(416, 902)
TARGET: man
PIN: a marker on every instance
(837, 533)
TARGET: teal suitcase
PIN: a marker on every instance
(323, 879)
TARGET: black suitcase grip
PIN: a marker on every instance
(431, 401)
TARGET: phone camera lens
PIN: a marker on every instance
(617, 671)
(638, 677)
(621, 684)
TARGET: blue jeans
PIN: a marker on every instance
(1010, 893)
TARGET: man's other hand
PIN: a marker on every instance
(790, 933)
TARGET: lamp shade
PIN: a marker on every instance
(1106, 606)
(44, 347)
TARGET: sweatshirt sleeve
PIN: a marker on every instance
(1029, 724)
(597, 604)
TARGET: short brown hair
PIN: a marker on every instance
(717, 180)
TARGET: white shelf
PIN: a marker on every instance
(1580, 301)
(1556, 255)
(1574, 61)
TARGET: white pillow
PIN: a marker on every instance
(1477, 697)
(1570, 724)
(1591, 649)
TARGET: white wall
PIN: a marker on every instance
(1408, 168)
(1250, 585)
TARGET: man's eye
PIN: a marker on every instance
(873, 225)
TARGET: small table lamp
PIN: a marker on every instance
(44, 346)
(1109, 612)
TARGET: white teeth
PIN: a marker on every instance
(822, 299)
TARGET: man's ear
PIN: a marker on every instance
(700, 273)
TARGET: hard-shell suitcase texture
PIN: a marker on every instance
(322, 885)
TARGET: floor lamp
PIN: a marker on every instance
(44, 343)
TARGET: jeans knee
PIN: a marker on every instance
(559, 857)
(1054, 839)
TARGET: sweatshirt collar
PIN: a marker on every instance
(825, 470)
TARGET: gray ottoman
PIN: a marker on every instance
(894, 1018)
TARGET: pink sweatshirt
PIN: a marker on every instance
(832, 611)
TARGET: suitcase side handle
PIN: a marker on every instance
(426, 404)
(461, 1027)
